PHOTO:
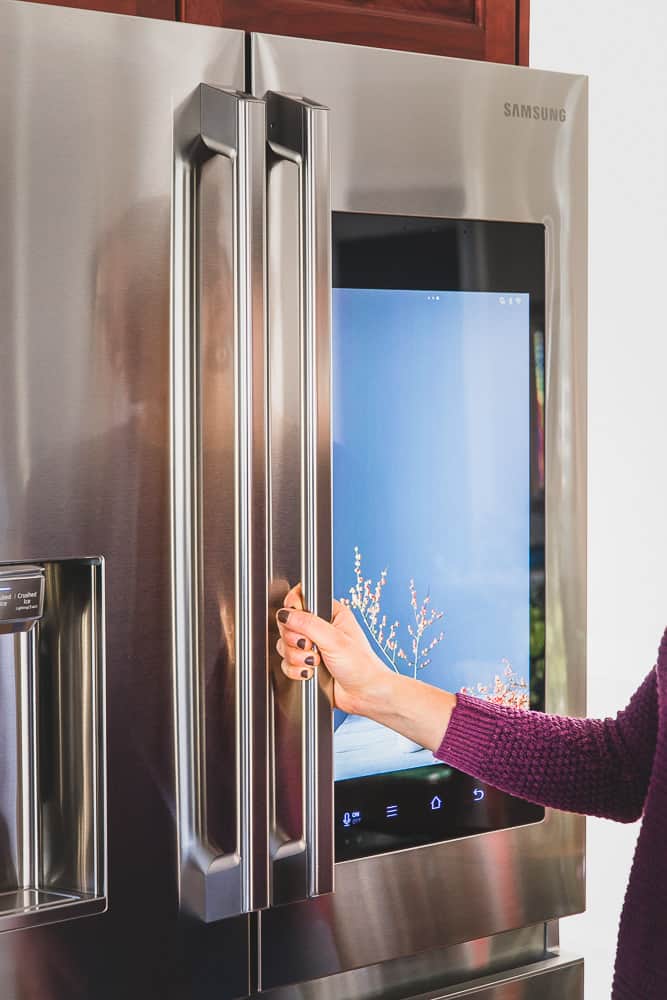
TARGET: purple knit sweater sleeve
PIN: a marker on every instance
(596, 766)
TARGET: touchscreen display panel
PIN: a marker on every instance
(438, 501)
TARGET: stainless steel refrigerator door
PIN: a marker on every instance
(87, 124)
(425, 136)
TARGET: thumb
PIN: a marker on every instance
(343, 618)
(322, 633)
(294, 598)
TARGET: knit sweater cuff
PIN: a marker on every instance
(469, 737)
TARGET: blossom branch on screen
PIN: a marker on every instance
(423, 621)
(366, 598)
(510, 689)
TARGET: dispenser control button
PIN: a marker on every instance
(21, 595)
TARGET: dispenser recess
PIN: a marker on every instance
(52, 743)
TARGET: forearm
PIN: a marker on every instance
(596, 766)
(416, 710)
(600, 767)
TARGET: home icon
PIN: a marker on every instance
(436, 802)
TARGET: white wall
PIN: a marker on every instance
(621, 47)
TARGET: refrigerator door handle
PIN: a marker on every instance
(219, 484)
(298, 131)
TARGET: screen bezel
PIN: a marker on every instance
(412, 253)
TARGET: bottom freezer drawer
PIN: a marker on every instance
(553, 979)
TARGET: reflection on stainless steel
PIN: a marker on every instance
(426, 136)
(553, 979)
(289, 876)
(426, 970)
(298, 133)
(53, 779)
(515, 964)
(85, 272)
(218, 503)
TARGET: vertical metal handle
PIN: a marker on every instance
(298, 131)
(219, 488)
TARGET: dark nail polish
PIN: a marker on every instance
(301, 643)
(283, 616)
(310, 661)
(305, 674)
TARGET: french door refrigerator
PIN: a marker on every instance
(280, 311)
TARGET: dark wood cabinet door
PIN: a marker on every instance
(164, 9)
(495, 30)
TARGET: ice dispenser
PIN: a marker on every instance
(52, 746)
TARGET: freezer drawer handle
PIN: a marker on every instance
(298, 130)
(220, 882)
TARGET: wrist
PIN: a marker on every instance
(378, 697)
(417, 710)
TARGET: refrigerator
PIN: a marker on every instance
(280, 311)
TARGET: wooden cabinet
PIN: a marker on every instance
(164, 9)
(494, 30)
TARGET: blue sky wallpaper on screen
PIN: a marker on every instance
(431, 484)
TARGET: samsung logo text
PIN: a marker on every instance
(537, 112)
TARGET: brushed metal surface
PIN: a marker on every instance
(529, 978)
(427, 970)
(559, 978)
(288, 851)
(70, 695)
(86, 124)
(53, 791)
(298, 133)
(218, 502)
(427, 136)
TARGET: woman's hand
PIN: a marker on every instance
(359, 676)
(362, 684)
